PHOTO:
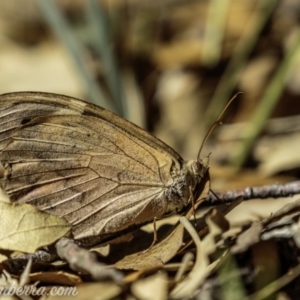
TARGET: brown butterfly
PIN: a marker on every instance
(79, 161)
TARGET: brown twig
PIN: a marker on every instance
(81, 259)
(261, 192)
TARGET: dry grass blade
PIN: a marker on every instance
(197, 274)
(276, 285)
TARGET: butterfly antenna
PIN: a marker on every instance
(218, 122)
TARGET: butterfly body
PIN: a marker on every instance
(78, 161)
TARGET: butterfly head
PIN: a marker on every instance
(199, 167)
(185, 182)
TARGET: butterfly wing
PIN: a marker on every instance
(81, 162)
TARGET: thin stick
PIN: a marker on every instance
(258, 192)
(193, 205)
(84, 260)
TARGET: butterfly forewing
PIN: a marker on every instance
(81, 162)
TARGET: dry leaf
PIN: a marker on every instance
(279, 153)
(59, 278)
(156, 256)
(152, 287)
(24, 228)
(286, 210)
(102, 250)
(2, 258)
(247, 238)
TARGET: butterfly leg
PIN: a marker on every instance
(193, 204)
(215, 195)
(155, 238)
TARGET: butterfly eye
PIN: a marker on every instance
(197, 167)
(200, 167)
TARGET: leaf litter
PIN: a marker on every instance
(192, 257)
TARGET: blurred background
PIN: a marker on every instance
(171, 66)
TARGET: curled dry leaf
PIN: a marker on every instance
(25, 228)
(155, 256)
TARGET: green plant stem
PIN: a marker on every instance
(239, 58)
(101, 40)
(63, 31)
(267, 103)
(214, 33)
